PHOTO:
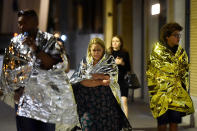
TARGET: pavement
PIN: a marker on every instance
(140, 118)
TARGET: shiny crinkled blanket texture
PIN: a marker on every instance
(167, 75)
(106, 65)
(48, 95)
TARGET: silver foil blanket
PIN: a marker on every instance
(17, 65)
(106, 65)
(48, 95)
(53, 102)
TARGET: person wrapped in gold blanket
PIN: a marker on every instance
(168, 78)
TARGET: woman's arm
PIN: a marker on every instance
(100, 76)
(91, 83)
(97, 80)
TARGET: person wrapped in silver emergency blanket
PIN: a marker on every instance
(96, 90)
(34, 71)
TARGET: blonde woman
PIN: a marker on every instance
(97, 92)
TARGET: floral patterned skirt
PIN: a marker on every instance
(98, 109)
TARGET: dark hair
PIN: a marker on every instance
(121, 43)
(30, 13)
(168, 29)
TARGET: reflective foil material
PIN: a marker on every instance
(167, 75)
(106, 65)
(53, 102)
(48, 95)
(18, 63)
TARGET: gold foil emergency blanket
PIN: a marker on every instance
(48, 95)
(167, 75)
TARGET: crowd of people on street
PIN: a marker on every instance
(34, 81)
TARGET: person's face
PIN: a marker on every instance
(173, 39)
(26, 24)
(116, 43)
(96, 52)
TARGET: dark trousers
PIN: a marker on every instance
(17, 118)
(28, 124)
(170, 116)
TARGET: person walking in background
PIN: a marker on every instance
(34, 71)
(123, 62)
(97, 92)
(168, 79)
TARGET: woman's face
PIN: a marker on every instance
(116, 43)
(173, 39)
(97, 52)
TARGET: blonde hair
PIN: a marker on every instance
(95, 41)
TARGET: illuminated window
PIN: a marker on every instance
(155, 9)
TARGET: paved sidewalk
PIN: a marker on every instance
(140, 118)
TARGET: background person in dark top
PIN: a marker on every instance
(123, 62)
